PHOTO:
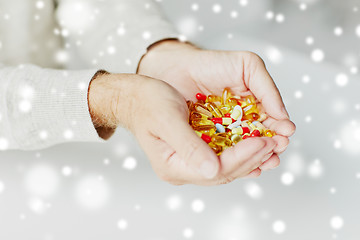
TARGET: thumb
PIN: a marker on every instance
(263, 87)
(195, 153)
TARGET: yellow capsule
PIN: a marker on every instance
(217, 149)
(235, 138)
(202, 109)
(238, 131)
(251, 109)
(225, 95)
(200, 122)
(250, 100)
(224, 109)
(236, 113)
(208, 132)
(252, 126)
(202, 128)
(213, 99)
(214, 110)
(190, 105)
(251, 117)
(259, 126)
(197, 115)
(232, 102)
(263, 117)
(268, 133)
(221, 140)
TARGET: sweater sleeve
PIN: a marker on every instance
(111, 34)
(42, 107)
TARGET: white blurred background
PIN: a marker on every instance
(109, 191)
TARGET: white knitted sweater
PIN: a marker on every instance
(41, 105)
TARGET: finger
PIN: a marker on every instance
(271, 163)
(191, 149)
(254, 174)
(245, 156)
(281, 143)
(282, 127)
(260, 83)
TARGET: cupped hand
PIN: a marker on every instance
(157, 114)
(191, 70)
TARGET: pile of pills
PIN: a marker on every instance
(223, 121)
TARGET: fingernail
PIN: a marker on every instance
(283, 110)
(208, 169)
(267, 156)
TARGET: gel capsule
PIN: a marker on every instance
(237, 112)
(235, 138)
(238, 131)
(251, 117)
(200, 122)
(217, 149)
(213, 99)
(197, 115)
(204, 137)
(202, 109)
(213, 109)
(223, 121)
(221, 140)
(255, 133)
(225, 95)
(200, 96)
(204, 128)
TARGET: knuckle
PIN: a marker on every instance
(192, 148)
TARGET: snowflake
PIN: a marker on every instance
(253, 190)
(308, 119)
(68, 134)
(315, 169)
(243, 3)
(174, 202)
(188, 233)
(216, 8)
(2, 187)
(269, 15)
(66, 171)
(279, 226)
(122, 224)
(338, 31)
(194, 7)
(129, 163)
(146, 35)
(306, 79)
(4, 144)
(298, 94)
(25, 106)
(341, 79)
(280, 18)
(357, 30)
(317, 55)
(40, 4)
(42, 180)
(92, 193)
(336, 222)
(274, 55)
(198, 205)
(303, 6)
(287, 178)
(309, 40)
(43, 134)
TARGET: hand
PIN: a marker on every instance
(157, 115)
(191, 70)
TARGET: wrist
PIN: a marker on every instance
(108, 100)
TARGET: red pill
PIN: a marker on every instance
(255, 133)
(245, 130)
(227, 115)
(223, 121)
(204, 137)
(200, 96)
